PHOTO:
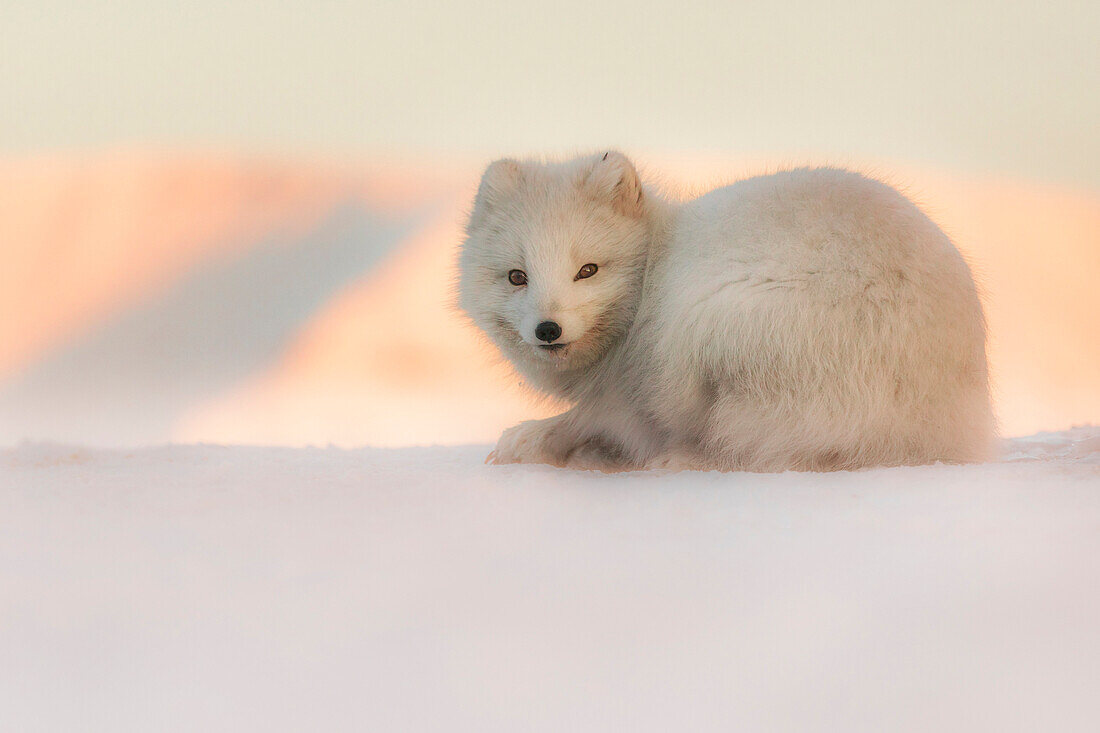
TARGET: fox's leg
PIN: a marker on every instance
(536, 441)
(568, 440)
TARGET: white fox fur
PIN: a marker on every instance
(813, 319)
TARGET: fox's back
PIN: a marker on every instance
(829, 291)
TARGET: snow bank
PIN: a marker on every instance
(212, 588)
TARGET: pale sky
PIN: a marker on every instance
(984, 87)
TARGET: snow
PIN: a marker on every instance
(200, 587)
(215, 588)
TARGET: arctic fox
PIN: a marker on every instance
(813, 319)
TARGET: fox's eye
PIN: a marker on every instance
(587, 271)
(517, 277)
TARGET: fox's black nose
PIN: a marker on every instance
(548, 331)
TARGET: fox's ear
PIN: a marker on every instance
(613, 179)
(499, 179)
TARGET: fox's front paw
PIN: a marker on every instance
(675, 461)
(524, 443)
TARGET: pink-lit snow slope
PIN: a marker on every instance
(151, 297)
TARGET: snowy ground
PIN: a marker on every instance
(198, 588)
(211, 588)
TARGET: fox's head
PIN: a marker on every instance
(552, 265)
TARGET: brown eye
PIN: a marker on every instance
(587, 271)
(517, 277)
